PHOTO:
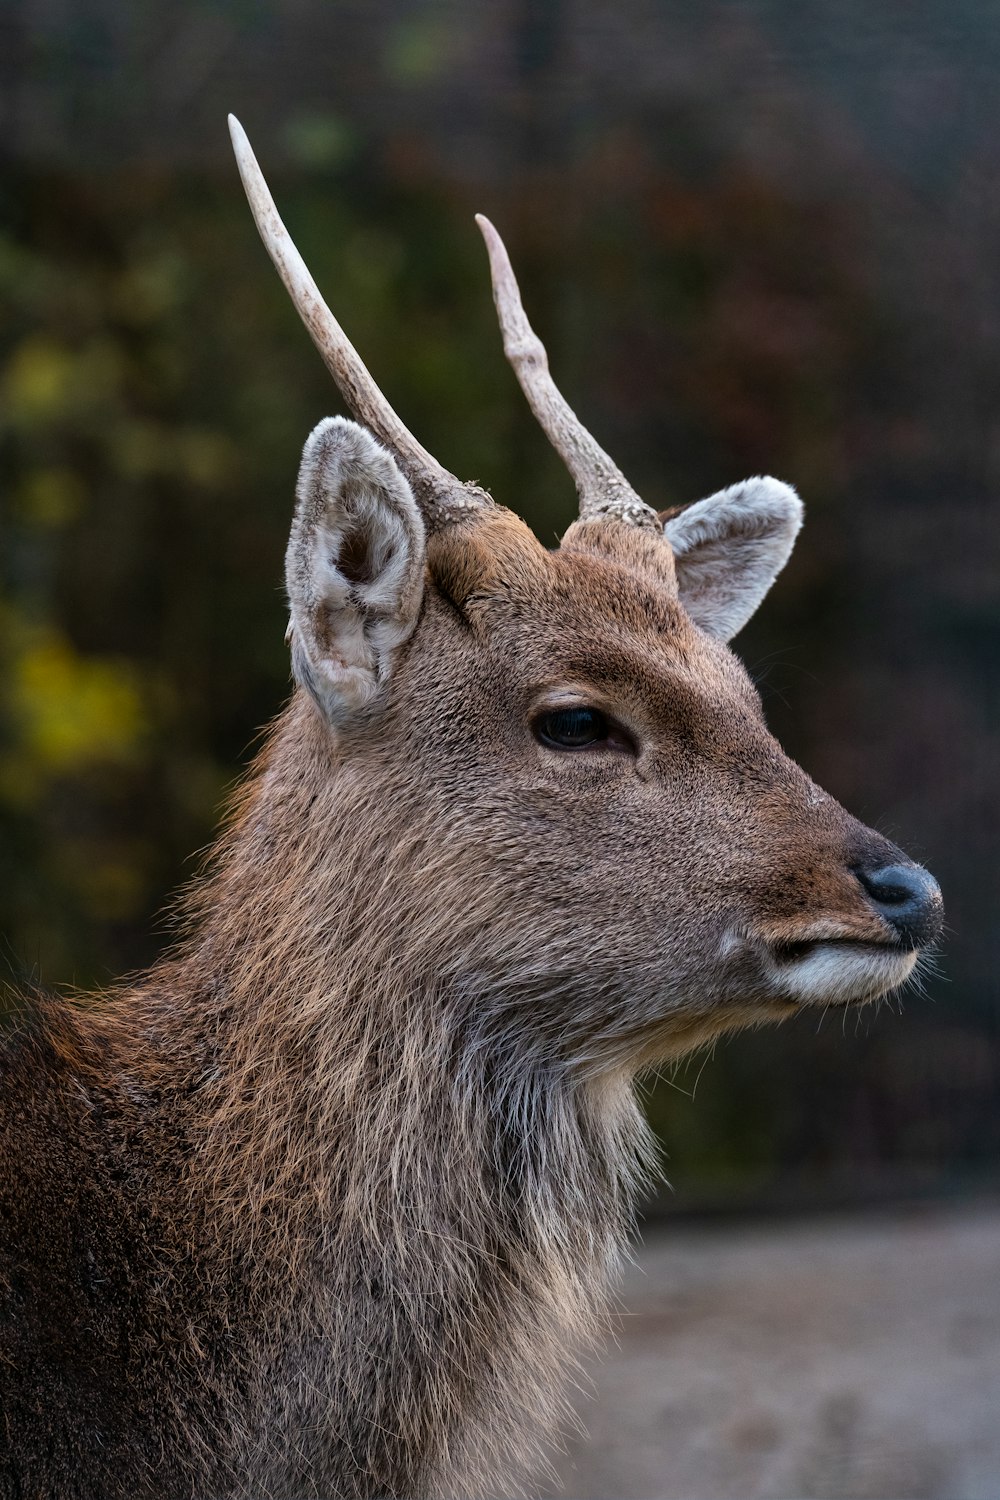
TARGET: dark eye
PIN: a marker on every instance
(571, 728)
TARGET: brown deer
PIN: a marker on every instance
(325, 1203)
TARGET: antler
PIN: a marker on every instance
(602, 487)
(440, 495)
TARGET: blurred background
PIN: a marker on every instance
(756, 235)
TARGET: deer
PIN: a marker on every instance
(330, 1200)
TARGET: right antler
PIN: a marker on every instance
(603, 489)
(439, 494)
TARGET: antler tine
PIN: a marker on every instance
(440, 495)
(603, 489)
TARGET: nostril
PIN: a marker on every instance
(908, 898)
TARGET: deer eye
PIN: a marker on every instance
(571, 728)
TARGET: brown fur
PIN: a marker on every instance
(324, 1204)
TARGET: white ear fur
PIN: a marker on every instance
(354, 568)
(730, 548)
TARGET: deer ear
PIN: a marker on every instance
(729, 549)
(354, 568)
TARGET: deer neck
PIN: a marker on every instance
(365, 1142)
(332, 1031)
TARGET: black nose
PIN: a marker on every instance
(909, 899)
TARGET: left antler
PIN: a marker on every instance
(439, 494)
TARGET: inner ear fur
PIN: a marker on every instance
(354, 567)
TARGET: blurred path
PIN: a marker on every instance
(856, 1358)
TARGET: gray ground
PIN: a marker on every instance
(843, 1358)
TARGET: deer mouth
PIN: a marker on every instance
(837, 971)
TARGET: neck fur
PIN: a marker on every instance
(429, 1207)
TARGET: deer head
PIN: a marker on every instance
(635, 863)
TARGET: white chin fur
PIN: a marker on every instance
(836, 973)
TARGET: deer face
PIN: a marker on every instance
(680, 873)
(656, 867)
(635, 863)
